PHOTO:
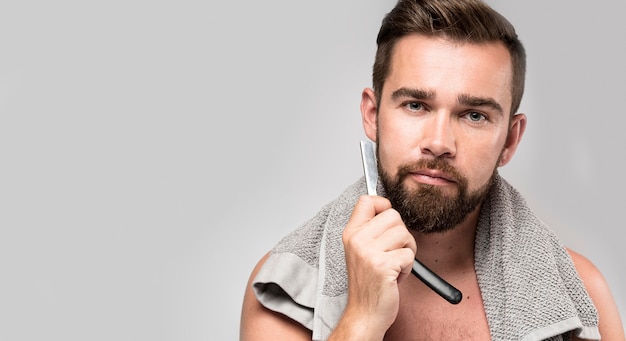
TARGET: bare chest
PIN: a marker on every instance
(423, 315)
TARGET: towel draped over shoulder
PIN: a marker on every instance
(529, 285)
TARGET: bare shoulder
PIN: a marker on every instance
(610, 321)
(593, 279)
(259, 323)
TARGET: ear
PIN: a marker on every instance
(518, 126)
(369, 113)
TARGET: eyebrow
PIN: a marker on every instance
(474, 101)
(413, 93)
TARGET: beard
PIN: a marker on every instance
(427, 209)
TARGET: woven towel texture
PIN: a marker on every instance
(529, 285)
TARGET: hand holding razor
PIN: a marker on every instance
(431, 279)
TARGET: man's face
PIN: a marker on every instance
(441, 127)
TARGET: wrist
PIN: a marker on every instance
(354, 327)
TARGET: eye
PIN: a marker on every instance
(414, 106)
(476, 116)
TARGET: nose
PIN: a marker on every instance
(438, 139)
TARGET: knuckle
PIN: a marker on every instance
(364, 199)
(410, 254)
(351, 240)
(395, 214)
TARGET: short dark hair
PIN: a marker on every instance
(470, 21)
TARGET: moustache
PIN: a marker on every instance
(431, 164)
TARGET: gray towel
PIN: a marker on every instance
(529, 285)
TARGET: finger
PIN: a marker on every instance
(386, 220)
(369, 232)
(366, 208)
(403, 259)
(396, 237)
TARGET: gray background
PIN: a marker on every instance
(152, 151)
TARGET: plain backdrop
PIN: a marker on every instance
(152, 151)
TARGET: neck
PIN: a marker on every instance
(449, 251)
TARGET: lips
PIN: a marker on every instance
(433, 177)
(436, 174)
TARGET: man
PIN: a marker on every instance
(448, 81)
